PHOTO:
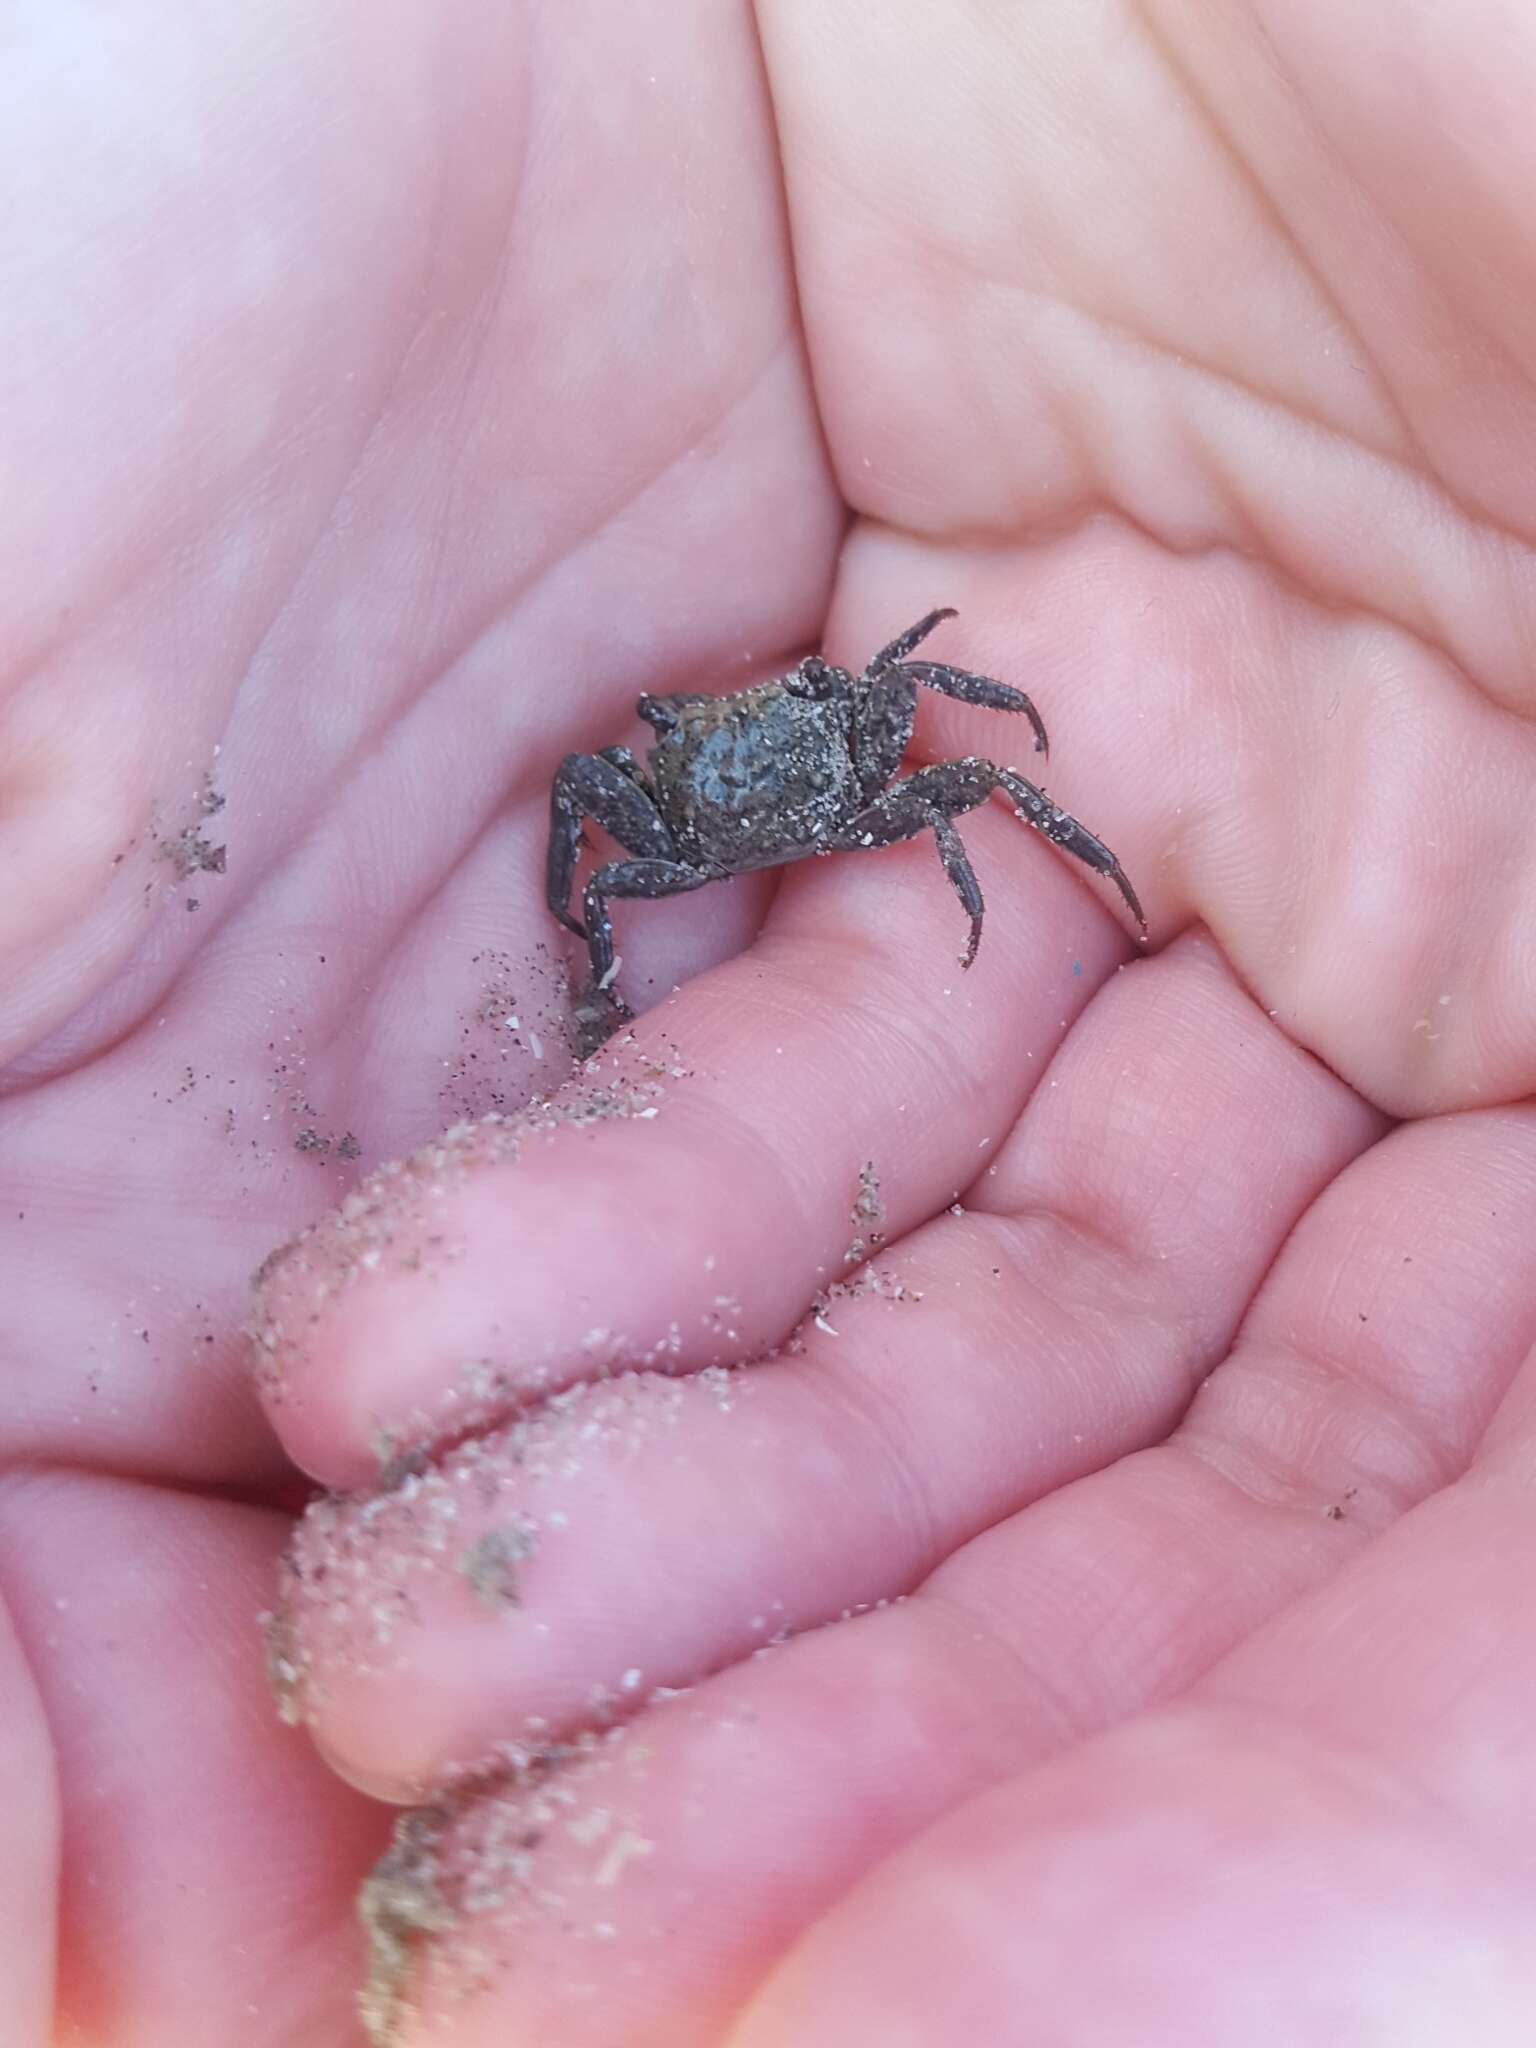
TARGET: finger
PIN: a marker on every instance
(1342, 1814)
(1097, 1273)
(208, 1862)
(681, 1203)
(1424, 1653)
(1182, 1880)
(1359, 1772)
(731, 1817)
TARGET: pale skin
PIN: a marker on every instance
(394, 394)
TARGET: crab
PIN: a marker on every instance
(798, 765)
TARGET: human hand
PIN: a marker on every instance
(395, 539)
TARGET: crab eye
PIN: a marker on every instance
(813, 678)
(657, 713)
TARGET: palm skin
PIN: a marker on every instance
(396, 397)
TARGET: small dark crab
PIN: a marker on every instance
(798, 765)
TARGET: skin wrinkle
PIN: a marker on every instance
(1091, 1584)
(1402, 1412)
(529, 767)
(1176, 357)
(893, 1037)
(955, 259)
(786, 342)
(1478, 520)
(968, 1615)
(747, 1138)
(1417, 628)
(1494, 343)
(413, 340)
(137, 571)
(1098, 1341)
(862, 1400)
(1222, 135)
(1478, 524)
(1260, 1473)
